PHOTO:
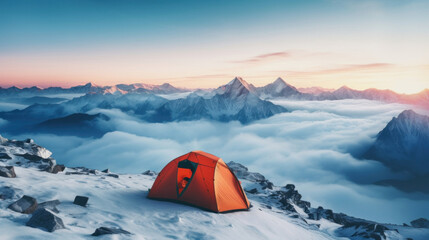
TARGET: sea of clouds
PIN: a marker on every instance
(316, 147)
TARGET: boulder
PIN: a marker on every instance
(25, 205)
(45, 219)
(105, 170)
(290, 187)
(8, 172)
(81, 201)
(51, 205)
(106, 230)
(420, 223)
(149, 173)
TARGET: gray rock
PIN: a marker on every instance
(81, 201)
(113, 175)
(26, 205)
(105, 170)
(420, 223)
(8, 172)
(4, 156)
(290, 187)
(51, 205)
(252, 191)
(106, 230)
(7, 192)
(149, 173)
(45, 219)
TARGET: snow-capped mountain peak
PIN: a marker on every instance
(235, 88)
(403, 143)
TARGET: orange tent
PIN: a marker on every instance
(200, 179)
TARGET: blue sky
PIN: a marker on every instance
(205, 43)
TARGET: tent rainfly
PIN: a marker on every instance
(200, 179)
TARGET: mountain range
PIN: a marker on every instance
(278, 88)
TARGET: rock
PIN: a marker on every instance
(106, 230)
(243, 172)
(149, 173)
(58, 168)
(252, 191)
(46, 219)
(31, 158)
(304, 204)
(113, 175)
(7, 192)
(51, 205)
(294, 196)
(8, 172)
(286, 205)
(266, 184)
(25, 205)
(420, 223)
(81, 201)
(4, 156)
(290, 187)
(105, 170)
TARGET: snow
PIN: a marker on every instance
(122, 202)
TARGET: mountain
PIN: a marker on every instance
(236, 100)
(77, 124)
(119, 202)
(279, 88)
(404, 143)
(315, 90)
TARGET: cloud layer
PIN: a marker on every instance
(313, 147)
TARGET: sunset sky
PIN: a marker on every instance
(361, 44)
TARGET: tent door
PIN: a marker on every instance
(185, 172)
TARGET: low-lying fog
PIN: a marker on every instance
(312, 147)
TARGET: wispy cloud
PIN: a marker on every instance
(343, 69)
(265, 57)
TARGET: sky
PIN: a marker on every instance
(329, 43)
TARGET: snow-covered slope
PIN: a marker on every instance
(120, 201)
(404, 143)
(279, 88)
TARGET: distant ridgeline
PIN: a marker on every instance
(62, 111)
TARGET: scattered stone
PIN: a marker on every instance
(113, 175)
(105, 170)
(8, 172)
(46, 219)
(149, 173)
(4, 156)
(420, 223)
(26, 205)
(106, 230)
(51, 205)
(81, 201)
